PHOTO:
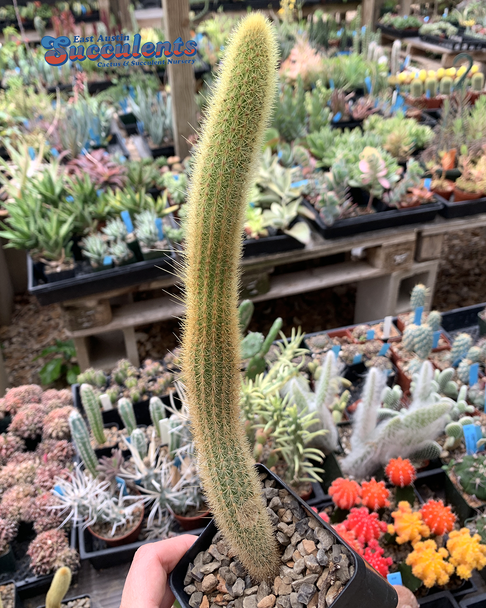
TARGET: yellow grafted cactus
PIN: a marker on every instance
(429, 563)
(59, 587)
(226, 159)
(467, 552)
(408, 525)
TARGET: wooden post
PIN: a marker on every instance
(405, 6)
(121, 10)
(368, 13)
(181, 76)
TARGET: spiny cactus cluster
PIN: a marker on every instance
(56, 425)
(8, 531)
(9, 445)
(16, 503)
(21, 470)
(51, 450)
(471, 474)
(28, 422)
(43, 515)
(49, 551)
(53, 398)
(20, 396)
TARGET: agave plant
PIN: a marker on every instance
(115, 230)
(95, 249)
(146, 229)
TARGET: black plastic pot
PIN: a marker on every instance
(4, 423)
(374, 221)
(481, 324)
(460, 318)
(98, 86)
(346, 124)
(107, 451)
(129, 122)
(7, 561)
(17, 601)
(450, 209)
(96, 282)
(270, 244)
(478, 601)
(63, 275)
(71, 599)
(466, 588)
(366, 588)
(444, 599)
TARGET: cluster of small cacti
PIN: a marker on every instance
(347, 493)
(8, 531)
(9, 445)
(15, 398)
(441, 81)
(20, 470)
(49, 551)
(43, 516)
(28, 422)
(56, 425)
(438, 517)
(408, 525)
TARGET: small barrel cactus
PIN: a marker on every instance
(18, 397)
(477, 82)
(27, 422)
(474, 354)
(419, 292)
(408, 339)
(157, 412)
(80, 435)
(56, 424)
(431, 86)
(438, 517)
(374, 494)
(345, 493)
(445, 86)
(460, 346)
(139, 442)
(127, 414)
(93, 412)
(463, 370)
(49, 551)
(400, 472)
(471, 474)
(95, 377)
(10, 444)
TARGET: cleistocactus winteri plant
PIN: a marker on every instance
(127, 414)
(49, 551)
(59, 587)
(408, 432)
(56, 424)
(27, 422)
(477, 82)
(418, 296)
(471, 474)
(139, 442)
(81, 439)
(93, 412)
(445, 85)
(157, 412)
(226, 159)
(460, 347)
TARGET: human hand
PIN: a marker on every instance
(146, 585)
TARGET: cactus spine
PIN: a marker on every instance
(445, 86)
(93, 411)
(226, 159)
(59, 587)
(157, 412)
(139, 442)
(416, 88)
(395, 57)
(431, 86)
(125, 409)
(80, 435)
(477, 82)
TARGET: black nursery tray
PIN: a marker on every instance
(444, 599)
(375, 221)
(270, 244)
(462, 319)
(96, 282)
(391, 31)
(478, 601)
(129, 122)
(450, 209)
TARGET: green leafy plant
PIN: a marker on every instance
(61, 366)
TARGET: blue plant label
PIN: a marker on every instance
(456, 362)
(437, 334)
(363, 29)
(59, 490)
(279, 154)
(140, 126)
(427, 182)
(384, 349)
(107, 260)
(418, 315)
(70, 199)
(394, 578)
(336, 117)
(357, 359)
(121, 483)
(470, 437)
(99, 192)
(31, 153)
(426, 19)
(427, 94)
(368, 83)
(160, 231)
(446, 12)
(473, 374)
(335, 349)
(406, 62)
(54, 152)
(303, 182)
(177, 462)
(83, 9)
(125, 215)
(176, 177)
(122, 158)
(370, 334)
(331, 84)
(339, 32)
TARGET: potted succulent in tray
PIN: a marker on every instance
(54, 247)
(378, 172)
(228, 153)
(58, 589)
(150, 235)
(95, 249)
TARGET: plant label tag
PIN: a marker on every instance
(387, 323)
(357, 359)
(426, 19)
(427, 94)
(336, 117)
(125, 215)
(406, 62)
(279, 154)
(303, 182)
(370, 334)
(473, 374)
(394, 578)
(335, 349)
(164, 428)
(331, 84)
(58, 490)
(160, 231)
(470, 438)
(479, 435)
(107, 261)
(418, 315)
(437, 334)
(368, 84)
(384, 350)
(31, 153)
(427, 183)
(106, 404)
(140, 126)
(456, 362)
(121, 483)
(54, 152)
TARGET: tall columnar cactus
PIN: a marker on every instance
(226, 160)
(395, 57)
(157, 412)
(93, 411)
(59, 587)
(460, 346)
(127, 414)
(419, 294)
(139, 442)
(80, 435)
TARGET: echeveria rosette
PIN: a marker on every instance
(378, 172)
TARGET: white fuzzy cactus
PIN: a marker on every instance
(381, 433)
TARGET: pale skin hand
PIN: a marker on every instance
(147, 583)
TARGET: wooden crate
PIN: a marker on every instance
(392, 256)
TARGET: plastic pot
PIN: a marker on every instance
(481, 324)
(192, 523)
(129, 537)
(366, 588)
(17, 601)
(71, 599)
(461, 195)
(444, 599)
(7, 561)
(478, 601)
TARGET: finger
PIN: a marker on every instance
(146, 585)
